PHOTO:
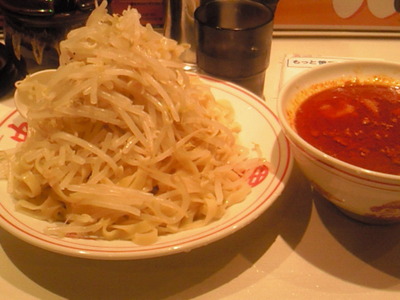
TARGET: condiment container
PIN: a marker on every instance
(34, 28)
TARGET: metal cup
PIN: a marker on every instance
(179, 25)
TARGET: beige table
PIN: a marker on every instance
(302, 248)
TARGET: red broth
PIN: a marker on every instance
(356, 123)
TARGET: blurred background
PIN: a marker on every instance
(380, 15)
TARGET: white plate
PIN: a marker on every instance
(259, 125)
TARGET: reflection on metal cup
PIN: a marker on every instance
(234, 41)
(179, 25)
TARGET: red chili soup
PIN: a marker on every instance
(356, 123)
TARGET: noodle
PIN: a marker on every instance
(122, 143)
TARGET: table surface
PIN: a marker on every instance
(301, 248)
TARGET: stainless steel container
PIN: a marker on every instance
(179, 25)
(34, 28)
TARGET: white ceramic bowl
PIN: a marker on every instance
(259, 125)
(368, 196)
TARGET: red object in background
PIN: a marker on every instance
(151, 11)
(371, 15)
